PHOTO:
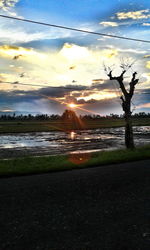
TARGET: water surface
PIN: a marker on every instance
(75, 141)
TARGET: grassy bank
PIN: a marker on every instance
(34, 165)
(59, 125)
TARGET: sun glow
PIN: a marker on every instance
(74, 52)
(72, 105)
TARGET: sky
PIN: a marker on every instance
(45, 68)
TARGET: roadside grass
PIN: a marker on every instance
(35, 165)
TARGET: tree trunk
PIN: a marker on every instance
(129, 142)
(126, 102)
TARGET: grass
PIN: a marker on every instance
(35, 165)
(45, 126)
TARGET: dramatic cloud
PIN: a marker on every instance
(6, 110)
(71, 64)
(145, 105)
(76, 92)
(141, 99)
(12, 51)
(109, 24)
(105, 90)
(141, 14)
(134, 51)
(2, 77)
(146, 56)
(97, 95)
(7, 4)
(148, 64)
(52, 102)
(34, 56)
(102, 107)
(19, 35)
(146, 24)
(74, 52)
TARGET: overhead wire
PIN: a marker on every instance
(74, 29)
(58, 87)
(39, 85)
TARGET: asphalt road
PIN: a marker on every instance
(90, 209)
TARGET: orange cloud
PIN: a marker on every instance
(145, 105)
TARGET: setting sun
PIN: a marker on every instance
(72, 105)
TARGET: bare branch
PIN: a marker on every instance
(123, 73)
(105, 68)
(133, 76)
(119, 79)
(133, 82)
(110, 76)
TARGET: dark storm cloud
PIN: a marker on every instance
(111, 85)
(102, 107)
(27, 96)
(59, 91)
(141, 96)
(16, 98)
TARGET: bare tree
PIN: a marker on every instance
(126, 100)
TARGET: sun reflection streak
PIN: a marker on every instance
(72, 135)
(89, 111)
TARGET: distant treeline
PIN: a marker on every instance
(53, 117)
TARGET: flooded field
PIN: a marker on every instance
(52, 143)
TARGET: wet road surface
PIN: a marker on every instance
(88, 209)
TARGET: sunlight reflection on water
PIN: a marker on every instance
(72, 135)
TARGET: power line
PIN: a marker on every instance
(40, 85)
(75, 88)
(74, 29)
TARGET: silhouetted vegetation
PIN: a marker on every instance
(29, 117)
(68, 114)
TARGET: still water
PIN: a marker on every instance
(76, 141)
